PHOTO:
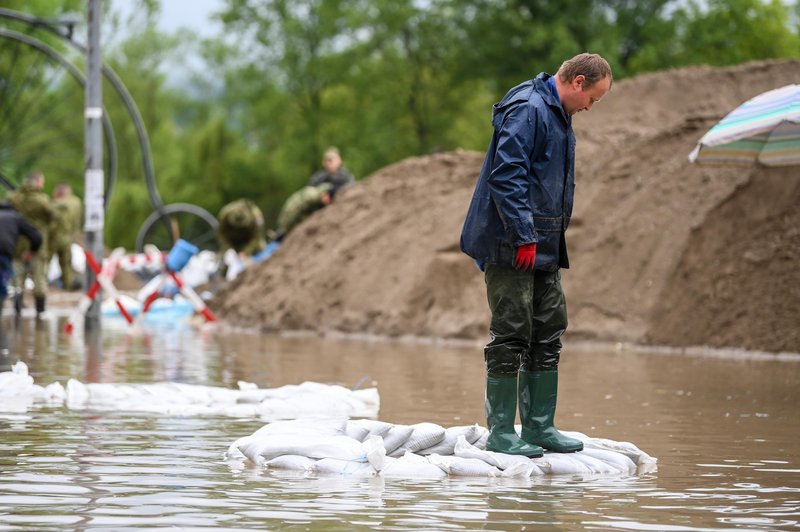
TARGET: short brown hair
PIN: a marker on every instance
(34, 177)
(591, 66)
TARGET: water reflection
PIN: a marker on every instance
(724, 430)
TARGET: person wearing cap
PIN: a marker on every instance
(333, 171)
(515, 231)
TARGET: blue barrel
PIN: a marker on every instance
(180, 254)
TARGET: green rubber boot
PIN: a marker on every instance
(538, 393)
(501, 411)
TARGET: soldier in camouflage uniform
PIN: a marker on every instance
(68, 220)
(241, 227)
(35, 206)
(333, 170)
(301, 205)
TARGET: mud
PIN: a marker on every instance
(663, 251)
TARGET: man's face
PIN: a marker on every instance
(332, 162)
(578, 98)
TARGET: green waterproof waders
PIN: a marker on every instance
(538, 393)
(501, 411)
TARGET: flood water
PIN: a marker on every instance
(724, 429)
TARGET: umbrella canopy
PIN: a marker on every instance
(764, 129)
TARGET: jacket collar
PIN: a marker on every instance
(540, 85)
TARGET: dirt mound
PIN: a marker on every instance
(662, 250)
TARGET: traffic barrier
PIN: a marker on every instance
(178, 257)
(103, 279)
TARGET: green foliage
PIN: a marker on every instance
(726, 32)
(380, 79)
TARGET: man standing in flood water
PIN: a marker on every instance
(514, 230)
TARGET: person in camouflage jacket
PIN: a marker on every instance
(68, 219)
(30, 201)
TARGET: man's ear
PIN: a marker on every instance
(579, 81)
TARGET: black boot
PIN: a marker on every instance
(538, 392)
(18, 304)
(2, 302)
(39, 305)
(501, 411)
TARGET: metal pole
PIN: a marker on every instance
(94, 179)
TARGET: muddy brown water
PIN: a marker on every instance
(724, 427)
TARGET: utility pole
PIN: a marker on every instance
(93, 155)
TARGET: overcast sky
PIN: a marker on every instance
(175, 14)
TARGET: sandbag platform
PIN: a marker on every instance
(366, 448)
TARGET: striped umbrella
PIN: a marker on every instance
(764, 130)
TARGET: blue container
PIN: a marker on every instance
(180, 254)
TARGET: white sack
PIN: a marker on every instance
(291, 462)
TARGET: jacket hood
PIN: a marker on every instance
(522, 93)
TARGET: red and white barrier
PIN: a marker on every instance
(103, 279)
(153, 259)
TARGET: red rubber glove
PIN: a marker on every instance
(526, 257)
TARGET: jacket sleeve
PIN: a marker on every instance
(509, 181)
(317, 178)
(31, 232)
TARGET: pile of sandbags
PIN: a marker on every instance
(363, 448)
(18, 393)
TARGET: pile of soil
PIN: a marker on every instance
(663, 251)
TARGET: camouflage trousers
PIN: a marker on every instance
(37, 269)
(63, 250)
(529, 315)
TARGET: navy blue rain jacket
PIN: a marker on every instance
(526, 187)
(12, 225)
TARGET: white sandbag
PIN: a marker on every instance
(233, 452)
(464, 467)
(521, 470)
(304, 427)
(595, 465)
(357, 432)
(424, 435)
(480, 443)
(621, 462)
(396, 437)
(322, 439)
(286, 402)
(471, 434)
(376, 452)
(345, 468)
(644, 462)
(55, 394)
(410, 468)
(375, 427)
(499, 460)
(291, 462)
(77, 394)
(17, 390)
(260, 449)
(561, 464)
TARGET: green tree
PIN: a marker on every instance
(726, 32)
